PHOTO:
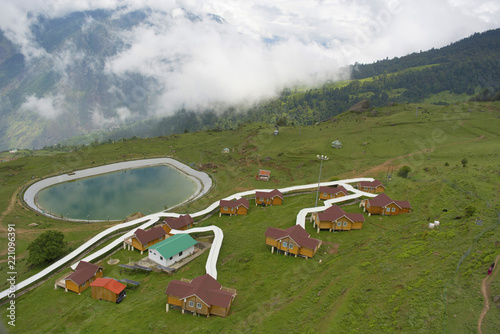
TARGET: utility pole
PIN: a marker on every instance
(320, 157)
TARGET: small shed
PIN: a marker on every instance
(264, 175)
(226, 150)
(336, 144)
(108, 289)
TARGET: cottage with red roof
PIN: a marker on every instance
(371, 187)
(238, 207)
(108, 289)
(84, 274)
(264, 175)
(183, 222)
(330, 192)
(336, 219)
(142, 239)
(383, 205)
(202, 295)
(294, 240)
(274, 197)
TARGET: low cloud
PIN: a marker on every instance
(48, 106)
(206, 53)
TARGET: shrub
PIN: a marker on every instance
(46, 247)
(464, 162)
(404, 171)
(470, 211)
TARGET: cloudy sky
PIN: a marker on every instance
(262, 46)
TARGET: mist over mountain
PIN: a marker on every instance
(72, 68)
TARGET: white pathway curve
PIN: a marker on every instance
(214, 250)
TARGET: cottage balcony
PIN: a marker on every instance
(60, 282)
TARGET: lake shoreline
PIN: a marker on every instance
(202, 180)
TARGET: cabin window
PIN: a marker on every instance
(198, 306)
(225, 208)
(388, 209)
(291, 246)
(161, 258)
(191, 303)
(393, 209)
(339, 224)
(84, 284)
(345, 223)
(171, 258)
(284, 244)
(161, 238)
(180, 253)
(325, 194)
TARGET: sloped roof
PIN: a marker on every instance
(177, 223)
(336, 142)
(110, 284)
(234, 204)
(152, 234)
(335, 212)
(383, 200)
(297, 233)
(371, 184)
(204, 287)
(332, 190)
(83, 272)
(174, 245)
(264, 172)
(269, 194)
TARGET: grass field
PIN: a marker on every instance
(393, 276)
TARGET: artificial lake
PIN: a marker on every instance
(114, 196)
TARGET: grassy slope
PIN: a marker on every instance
(389, 277)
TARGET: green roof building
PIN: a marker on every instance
(172, 249)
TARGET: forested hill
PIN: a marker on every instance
(469, 50)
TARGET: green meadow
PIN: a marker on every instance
(394, 276)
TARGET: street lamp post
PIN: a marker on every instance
(320, 157)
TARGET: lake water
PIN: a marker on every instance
(116, 195)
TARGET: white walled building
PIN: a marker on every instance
(172, 250)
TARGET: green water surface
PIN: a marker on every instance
(116, 195)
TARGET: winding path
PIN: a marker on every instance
(484, 291)
(214, 250)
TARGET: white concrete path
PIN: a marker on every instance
(214, 250)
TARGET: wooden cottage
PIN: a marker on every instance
(332, 192)
(274, 197)
(84, 274)
(383, 205)
(108, 289)
(371, 187)
(336, 219)
(203, 295)
(142, 239)
(264, 175)
(172, 249)
(183, 222)
(294, 240)
(238, 207)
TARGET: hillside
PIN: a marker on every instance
(394, 275)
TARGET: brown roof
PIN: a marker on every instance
(269, 194)
(372, 184)
(234, 204)
(110, 284)
(177, 223)
(383, 200)
(335, 212)
(204, 287)
(330, 190)
(296, 233)
(83, 272)
(152, 234)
